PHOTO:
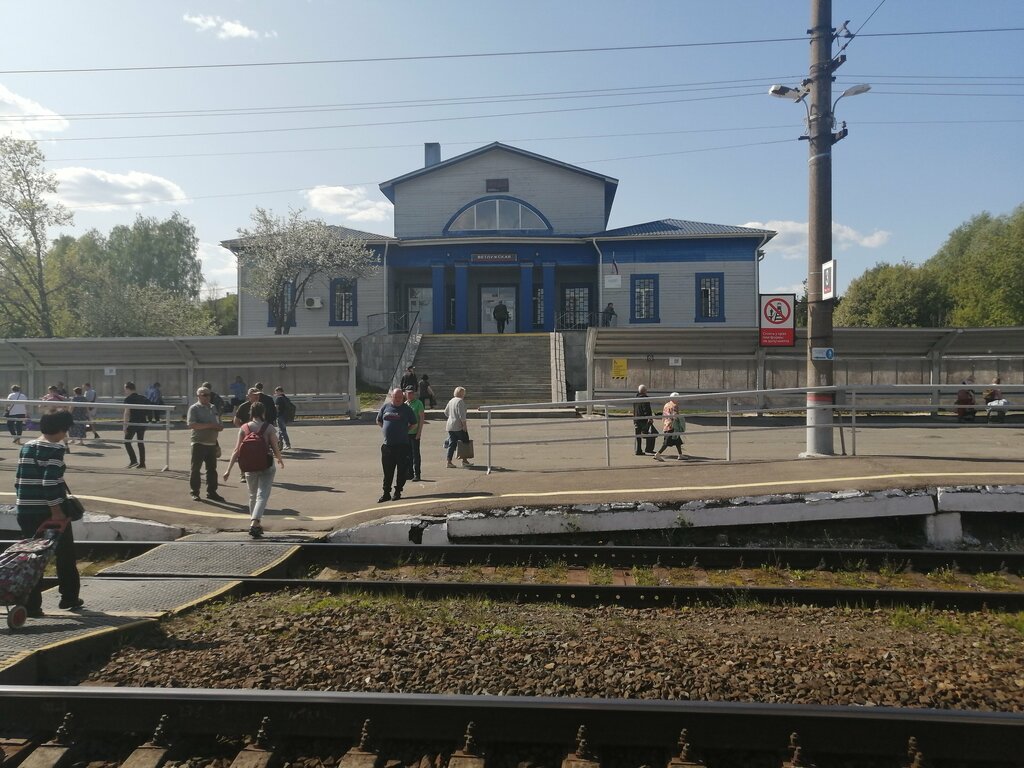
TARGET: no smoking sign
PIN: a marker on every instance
(777, 322)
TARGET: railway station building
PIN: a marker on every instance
(500, 224)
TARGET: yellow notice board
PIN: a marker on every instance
(619, 368)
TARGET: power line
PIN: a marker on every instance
(515, 140)
(401, 122)
(486, 54)
(444, 101)
(191, 198)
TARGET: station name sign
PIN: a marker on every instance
(494, 258)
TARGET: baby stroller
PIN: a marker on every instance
(21, 567)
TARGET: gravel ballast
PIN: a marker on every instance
(744, 652)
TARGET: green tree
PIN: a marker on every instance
(280, 256)
(894, 296)
(114, 308)
(225, 313)
(26, 214)
(987, 275)
(158, 253)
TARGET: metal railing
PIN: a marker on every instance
(849, 403)
(390, 322)
(412, 345)
(581, 320)
(37, 408)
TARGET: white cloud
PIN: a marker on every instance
(227, 29)
(104, 191)
(218, 266)
(348, 202)
(23, 118)
(797, 288)
(791, 242)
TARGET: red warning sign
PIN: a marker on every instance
(777, 320)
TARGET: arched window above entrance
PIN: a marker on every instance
(498, 214)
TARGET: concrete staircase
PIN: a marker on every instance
(494, 368)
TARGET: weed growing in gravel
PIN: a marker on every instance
(994, 581)
(905, 618)
(553, 573)
(600, 575)
(1014, 621)
(510, 574)
(644, 577)
(797, 574)
(772, 574)
(945, 576)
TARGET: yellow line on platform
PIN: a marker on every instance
(635, 492)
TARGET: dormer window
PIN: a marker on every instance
(498, 214)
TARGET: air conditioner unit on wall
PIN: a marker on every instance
(314, 302)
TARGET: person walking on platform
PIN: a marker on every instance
(16, 413)
(285, 413)
(256, 449)
(90, 397)
(426, 392)
(415, 433)
(133, 422)
(395, 418)
(41, 491)
(457, 424)
(643, 423)
(206, 426)
(673, 425)
(237, 390)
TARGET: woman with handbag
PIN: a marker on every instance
(457, 426)
(42, 494)
(673, 425)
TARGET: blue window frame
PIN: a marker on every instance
(643, 299)
(343, 301)
(289, 298)
(709, 288)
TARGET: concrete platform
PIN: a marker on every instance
(333, 478)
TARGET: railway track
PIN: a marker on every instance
(48, 726)
(628, 576)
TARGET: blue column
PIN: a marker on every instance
(437, 288)
(462, 298)
(525, 309)
(550, 297)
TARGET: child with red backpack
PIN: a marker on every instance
(256, 449)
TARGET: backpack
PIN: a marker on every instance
(287, 408)
(254, 452)
(217, 402)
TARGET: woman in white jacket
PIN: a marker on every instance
(457, 424)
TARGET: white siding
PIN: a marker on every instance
(676, 292)
(571, 201)
(370, 299)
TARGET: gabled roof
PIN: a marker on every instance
(681, 228)
(610, 184)
(355, 234)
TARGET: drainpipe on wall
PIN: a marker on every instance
(600, 274)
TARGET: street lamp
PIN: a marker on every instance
(820, 138)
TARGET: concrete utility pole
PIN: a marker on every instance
(820, 373)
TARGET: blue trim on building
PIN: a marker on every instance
(632, 299)
(439, 298)
(462, 298)
(524, 309)
(698, 302)
(354, 285)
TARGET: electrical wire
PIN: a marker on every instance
(485, 54)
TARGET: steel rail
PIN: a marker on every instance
(325, 553)
(590, 595)
(942, 735)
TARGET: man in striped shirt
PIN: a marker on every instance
(41, 492)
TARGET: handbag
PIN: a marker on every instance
(465, 449)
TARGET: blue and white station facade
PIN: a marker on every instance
(499, 223)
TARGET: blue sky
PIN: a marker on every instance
(689, 130)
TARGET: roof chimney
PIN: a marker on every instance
(431, 154)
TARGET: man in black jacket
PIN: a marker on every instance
(643, 422)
